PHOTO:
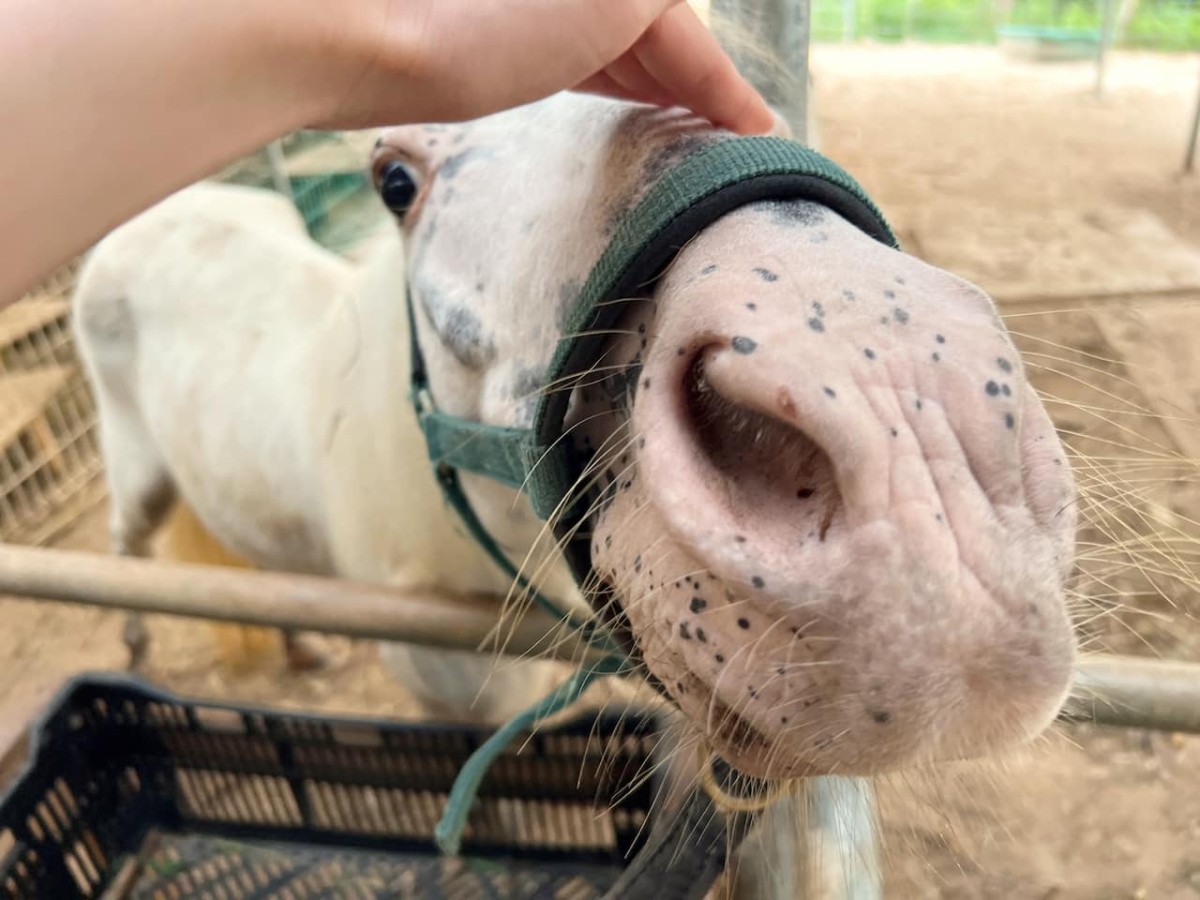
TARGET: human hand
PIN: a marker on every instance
(443, 60)
(163, 93)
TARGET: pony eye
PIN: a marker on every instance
(397, 187)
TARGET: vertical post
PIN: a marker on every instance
(842, 840)
(1189, 159)
(278, 165)
(849, 21)
(906, 27)
(1106, 32)
(782, 27)
(1125, 13)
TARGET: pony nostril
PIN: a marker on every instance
(773, 474)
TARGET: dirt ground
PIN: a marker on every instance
(1072, 211)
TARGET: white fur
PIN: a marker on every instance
(266, 381)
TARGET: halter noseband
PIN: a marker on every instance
(540, 461)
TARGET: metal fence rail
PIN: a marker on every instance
(1109, 690)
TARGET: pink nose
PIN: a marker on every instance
(757, 454)
(880, 510)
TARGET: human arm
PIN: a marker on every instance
(109, 105)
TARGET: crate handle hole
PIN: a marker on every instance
(223, 721)
(357, 736)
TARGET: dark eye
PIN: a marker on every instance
(397, 188)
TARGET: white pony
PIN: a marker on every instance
(831, 512)
(288, 436)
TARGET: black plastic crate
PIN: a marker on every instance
(127, 784)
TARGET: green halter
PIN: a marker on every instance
(539, 461)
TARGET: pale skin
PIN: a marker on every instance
(110, 105)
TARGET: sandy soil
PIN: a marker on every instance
(1071, 210)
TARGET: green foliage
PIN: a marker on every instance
(1169, 25)
(1166, 26)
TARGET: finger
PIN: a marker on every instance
(684, 57)
(628, 72)
(592, 34)
(599, 32)
(603, 85)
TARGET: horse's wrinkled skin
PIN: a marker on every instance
(837, 516)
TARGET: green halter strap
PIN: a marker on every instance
(539, 461)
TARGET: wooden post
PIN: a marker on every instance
(849, 21)
(782, 27)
